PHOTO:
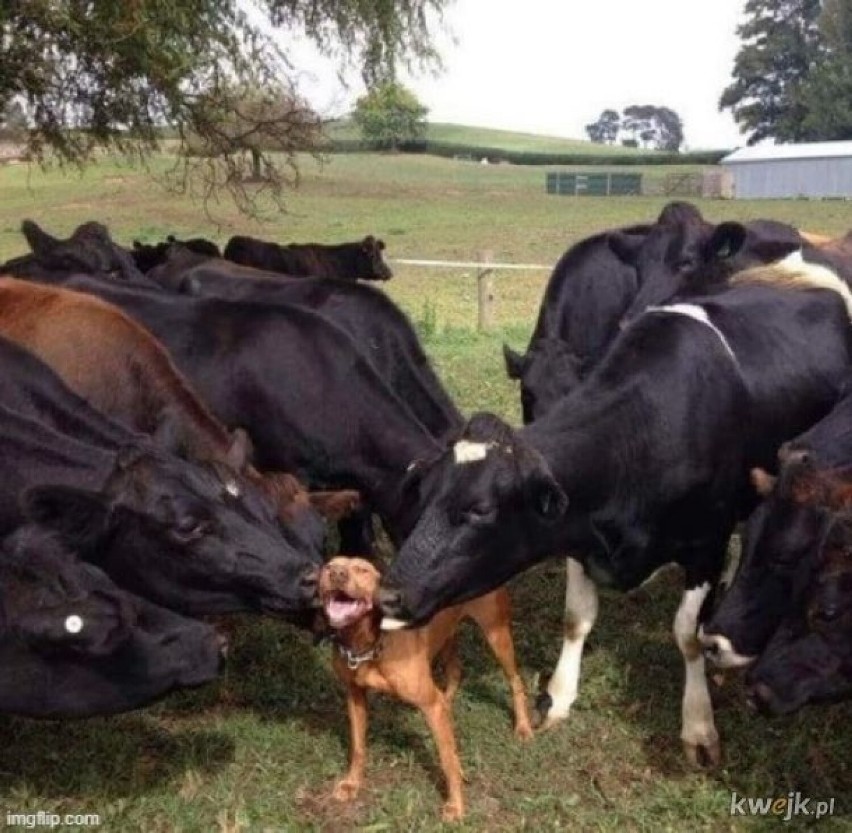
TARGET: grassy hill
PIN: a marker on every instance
(488, 137)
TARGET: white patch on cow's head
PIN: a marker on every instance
(466, 451)
(720, 651)
(233, 488)
(74, 623)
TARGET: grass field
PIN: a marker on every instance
(260, 749)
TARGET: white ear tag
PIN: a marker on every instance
(74, 623)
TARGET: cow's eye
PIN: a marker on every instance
(479, 513)
(189, 528)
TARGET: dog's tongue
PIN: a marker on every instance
(343, 610)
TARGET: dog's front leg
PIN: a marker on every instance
(439, 718)
(347, 787)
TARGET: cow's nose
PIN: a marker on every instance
(308, 583)
(789, 454)
(759, 697)
(719, 650)
(337, 574)
(390, 601)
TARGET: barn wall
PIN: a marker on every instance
(781, 178)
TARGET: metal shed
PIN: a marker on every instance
(816, 170)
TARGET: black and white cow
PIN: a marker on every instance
(643, 464)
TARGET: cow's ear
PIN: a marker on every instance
(516, 364)
(762, 481)
(241, 450)
(336, 505)
(380, 245)
(80, 517)
(170, 238)
(625, 246)
(727, 239)
(368, 243)
(137, 244)
(549, 500)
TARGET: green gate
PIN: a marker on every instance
(593, 185)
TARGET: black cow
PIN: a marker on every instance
(780, 535)
(193, 538)
(350, 261)
(89, 249)
(586, 297)
(650, 454)
(809, 657)
(380, 329)
(73, 645)
(147, 256)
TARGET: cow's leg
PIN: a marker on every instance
(699, 735)
(581, 610)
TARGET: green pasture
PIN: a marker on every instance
(495, 139)
(260, 749)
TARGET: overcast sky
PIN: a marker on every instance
(551, 66)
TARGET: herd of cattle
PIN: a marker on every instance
(179, 427)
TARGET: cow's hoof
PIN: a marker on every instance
(345, 790)
(453, 811)
(548, 714)
(703, 754)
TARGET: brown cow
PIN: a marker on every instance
(123, 371)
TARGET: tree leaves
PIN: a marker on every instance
(792, 74)
(121, 76)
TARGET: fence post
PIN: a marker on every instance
(485, 286)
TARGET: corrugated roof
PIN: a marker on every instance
(809, 150)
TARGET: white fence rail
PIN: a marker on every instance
(485, 269)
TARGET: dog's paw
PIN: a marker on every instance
(524, 732)
(346, 790)
(453, 811)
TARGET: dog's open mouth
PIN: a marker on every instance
(342, 610)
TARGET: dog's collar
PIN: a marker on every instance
(353, 660)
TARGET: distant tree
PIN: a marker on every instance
(657, 127)
(389, 115)
(605, 129)
(97, 74)
(781, 46)
(254, 123)
(827, 90)
(669, 130)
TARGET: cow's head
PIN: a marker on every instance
(72, 644)
(809, 659)
(372, 266)
(492, 502)
(777, 545)
(673, 249)
(191, 537)
(547, 373)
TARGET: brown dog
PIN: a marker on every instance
(399, 663)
